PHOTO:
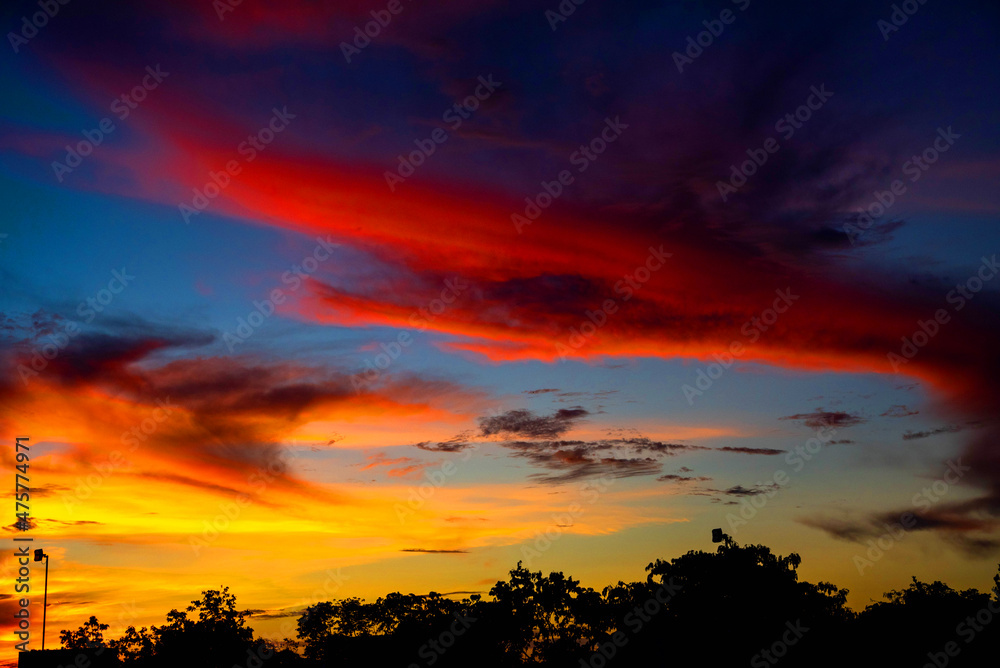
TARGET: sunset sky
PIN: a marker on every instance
(278, 300)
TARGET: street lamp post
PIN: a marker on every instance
(718, 536)
(39, 555)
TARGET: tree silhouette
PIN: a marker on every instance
(208, 633)
(922, 619)
(737, 605)
(545, 617)
(135, 647)
(88, 636)
(747, 595)
(218, 632)
(395, 628)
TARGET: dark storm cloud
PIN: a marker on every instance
(616, 458)
(525, 424)
(673, 477)
(898, 411)
(752, 451)
(969, 526)
(948, 429)
(627, 455)
(819, 419)
(740, 490)
(789, 215)
(226, 418)
(453, 444)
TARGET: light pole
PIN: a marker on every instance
(39, 555)
(719, 537)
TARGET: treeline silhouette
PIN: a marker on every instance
(740, 605)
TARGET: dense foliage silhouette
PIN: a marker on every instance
(735, 606)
